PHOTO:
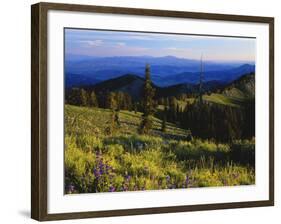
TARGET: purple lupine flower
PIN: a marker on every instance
(101, 170)
(101, 167)
(128, 177)
(168, 178)
(97, 173)
(70, 188)
(111, 189)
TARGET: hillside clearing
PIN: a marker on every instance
(224, 100)
(95, 120)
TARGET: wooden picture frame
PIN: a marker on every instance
(39, 109)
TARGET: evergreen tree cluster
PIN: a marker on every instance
(81, 97)
(213, 121)
(109, 100)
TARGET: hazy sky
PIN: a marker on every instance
(115, 43)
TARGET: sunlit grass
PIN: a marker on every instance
(126, 161)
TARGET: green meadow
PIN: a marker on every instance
(97, 160)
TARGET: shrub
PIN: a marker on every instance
(197, 149)
(243, 152)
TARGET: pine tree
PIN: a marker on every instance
(135, 108)
(116, 118)
(128, 105)
(73, 97)
(173, 108)
(148, 103)
(84, 97)
(112, 104)
(109, 130)
(93, 99)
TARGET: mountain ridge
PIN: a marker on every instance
(164, 70)
(132, 84)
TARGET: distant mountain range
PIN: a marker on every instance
(165, 71)
(133, 85)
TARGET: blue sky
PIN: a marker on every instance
(115, 43)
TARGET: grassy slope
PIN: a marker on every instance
(236, 94)
(235, 100)
(225, 100)
(138, 162)
(213, 98)
(95, 120)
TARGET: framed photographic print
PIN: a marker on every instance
(139, 111)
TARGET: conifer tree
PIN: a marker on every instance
(173, 109)
(112, 104)
(135, 108)
(148, 103)
(84, 97)
(93, 99)
(73, 97)
(116, 118)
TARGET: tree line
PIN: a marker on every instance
(108, 100)
(206, 120)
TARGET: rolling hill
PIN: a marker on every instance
(133, 84)
(128, 83)
(223, 76)
(244, 87)
(237, 93)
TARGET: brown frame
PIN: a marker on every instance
(39, 110)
